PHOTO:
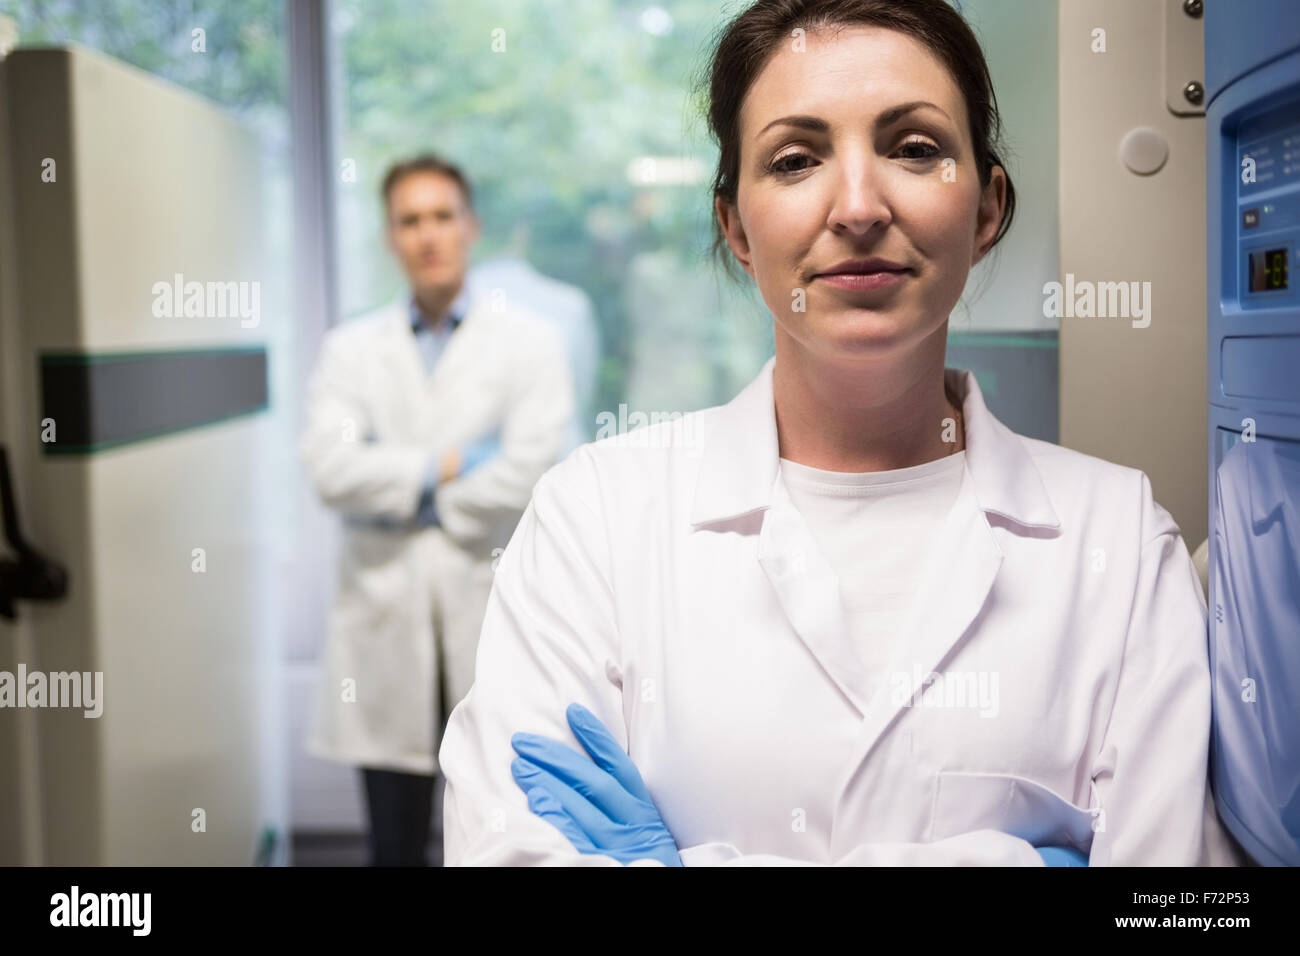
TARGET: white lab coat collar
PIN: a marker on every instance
(395, 335)
(742, 459)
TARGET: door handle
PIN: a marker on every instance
(33, 577)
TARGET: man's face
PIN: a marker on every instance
(430, 230)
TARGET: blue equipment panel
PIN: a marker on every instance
(1252, 56)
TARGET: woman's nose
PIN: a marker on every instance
(859, 203)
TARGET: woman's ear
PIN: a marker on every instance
(729, 219)
(992, 202)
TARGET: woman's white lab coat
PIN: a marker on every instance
(664, 580)
(374, 420)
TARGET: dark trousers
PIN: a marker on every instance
(400, 807)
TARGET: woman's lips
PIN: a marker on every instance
(863, 281)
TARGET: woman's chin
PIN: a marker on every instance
(867, 334)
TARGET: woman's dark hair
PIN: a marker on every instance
(752, 37)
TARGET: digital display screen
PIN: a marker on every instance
(1268, 270)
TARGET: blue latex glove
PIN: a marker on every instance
(476, 453)
(601, 806)
(1061, 856)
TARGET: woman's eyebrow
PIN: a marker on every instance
(892, 115)
(816, 125)
(810, 123)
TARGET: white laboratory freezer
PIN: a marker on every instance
(139, 432)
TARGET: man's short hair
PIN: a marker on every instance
(426, 163)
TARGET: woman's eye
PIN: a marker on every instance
(781, 165)
(922, 149)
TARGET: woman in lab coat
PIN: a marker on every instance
(849, 617)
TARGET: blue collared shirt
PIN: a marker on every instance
(431, 342)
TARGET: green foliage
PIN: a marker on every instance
(242, 69)
(544, 104)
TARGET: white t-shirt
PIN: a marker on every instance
(875, 530)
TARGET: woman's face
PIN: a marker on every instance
(840, 161)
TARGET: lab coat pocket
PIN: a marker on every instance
(965, 801)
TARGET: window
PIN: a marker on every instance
(575, 124)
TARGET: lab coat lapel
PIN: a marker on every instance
(455, 358)
(473, 358)
(954, 584)
(809, 593)
(955, 581)
(412, 382)
(401, 368)
(740, 475)
(414, 385)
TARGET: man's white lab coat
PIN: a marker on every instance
(664, 580)
(374, 421)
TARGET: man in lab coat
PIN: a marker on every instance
(428, 423)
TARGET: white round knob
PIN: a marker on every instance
(1143, 150)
